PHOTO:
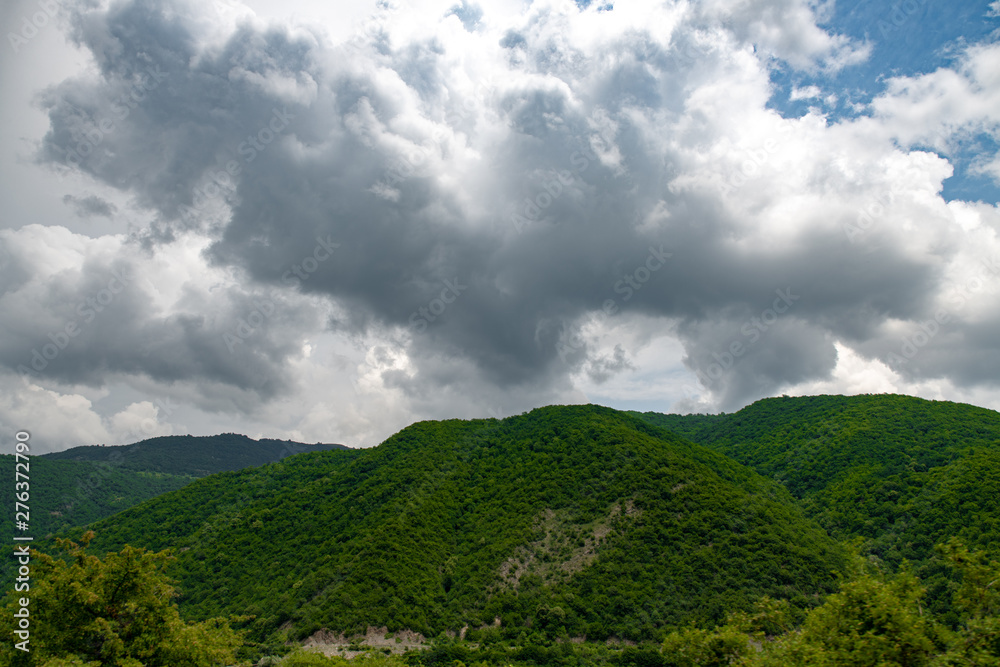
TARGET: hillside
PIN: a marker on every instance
(575, 520)
(188, 455)
(71, 493)
(687, 426)
(84, 484)
(81, 485)
(902, 472)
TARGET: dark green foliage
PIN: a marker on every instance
(686, 426)
(811, 443)
(581, 521)
(603, 524)
(71, 493)
(875, 619)
(545, 653)
(191, 456)
(85, 484)
(904, 473)
(443, 653)
(632, 656)
(64, 494)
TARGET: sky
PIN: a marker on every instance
(323, 221)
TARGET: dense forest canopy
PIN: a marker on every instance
(82, 485)
(587, 522)
(902, 473)
(619, 525)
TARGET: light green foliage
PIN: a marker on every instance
(903, 473)
(302, 658)
(306, 658)
(874, 620)
(978, 598)
(728, 644)
(977, 645)
(581, 520)
(115, 612)
(694, 647)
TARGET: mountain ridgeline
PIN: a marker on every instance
(191, 456)
(84, 484)
(576, 520)
(899, 472)
(579, 521)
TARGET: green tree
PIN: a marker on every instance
(115, 612)
(978, 595)
(872, 621)
(736, 642)
(694, 647)
(978, 599)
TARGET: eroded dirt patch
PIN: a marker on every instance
(564, 548)
(375, 639)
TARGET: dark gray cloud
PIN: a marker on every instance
(104, 320)
(481, 222)
(90, 206)
(602, 368)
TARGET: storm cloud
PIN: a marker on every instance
(492, 212)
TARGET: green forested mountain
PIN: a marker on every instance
(686, 426)
(192, 456)
(72, 493)
(576, 520)
(84, 484)
(902, 472)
